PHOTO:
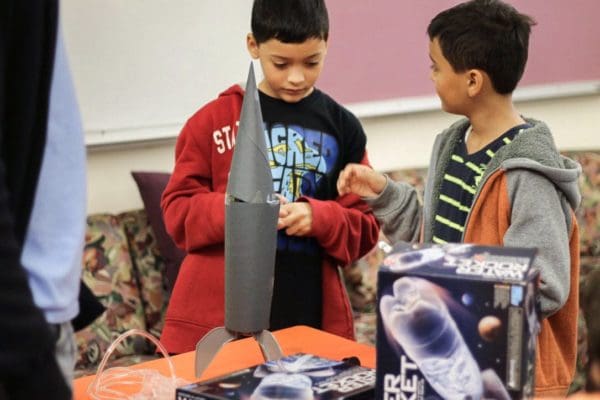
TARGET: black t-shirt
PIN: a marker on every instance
(308, 142)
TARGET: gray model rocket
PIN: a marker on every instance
(251, 212)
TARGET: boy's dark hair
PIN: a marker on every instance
(485, 34)
(289, 21)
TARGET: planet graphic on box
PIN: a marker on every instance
(489, 328)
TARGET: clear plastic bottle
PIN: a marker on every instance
(417, 318)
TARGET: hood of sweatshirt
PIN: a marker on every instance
(534, 149)
(233, 90)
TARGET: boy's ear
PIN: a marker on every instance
(475, 81)
(252, 45)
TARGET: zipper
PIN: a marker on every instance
(476, 198)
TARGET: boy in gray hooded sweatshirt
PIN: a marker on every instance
(495, 178)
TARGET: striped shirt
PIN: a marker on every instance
(460, 182)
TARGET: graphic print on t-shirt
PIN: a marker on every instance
(299, 159)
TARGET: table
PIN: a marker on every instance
(245, 353)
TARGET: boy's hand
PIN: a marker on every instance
(360, 180)
(296, 218)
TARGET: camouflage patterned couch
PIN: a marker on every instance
(361, 277)
(123, 268)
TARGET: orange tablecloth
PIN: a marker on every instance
(245, 353)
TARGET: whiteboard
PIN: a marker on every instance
(142, 67)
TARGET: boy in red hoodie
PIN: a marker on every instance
(310, 138)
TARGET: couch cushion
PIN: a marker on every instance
(588, 216)
(150, 268)
(588, 213)
(151, 186)
(109, 273)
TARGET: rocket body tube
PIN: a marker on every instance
(249, 268)
(251, 212)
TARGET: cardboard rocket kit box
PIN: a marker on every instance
(456, 321)
(298, 376)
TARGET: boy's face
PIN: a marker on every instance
(290, 69)
(450, 86)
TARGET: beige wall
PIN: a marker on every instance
(405, 140)
(394, 141)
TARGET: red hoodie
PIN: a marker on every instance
(194, 211)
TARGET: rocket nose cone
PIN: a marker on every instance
(250, 178)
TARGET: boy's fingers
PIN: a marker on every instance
(285, 222)
(283, 214)
(295, 220)
(343, 183)
(282, 199)
(295, 229)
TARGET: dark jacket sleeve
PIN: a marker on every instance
(28, 368)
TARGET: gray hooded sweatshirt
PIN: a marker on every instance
(542, 188)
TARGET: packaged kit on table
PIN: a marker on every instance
(299, 376)
(456, 321)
